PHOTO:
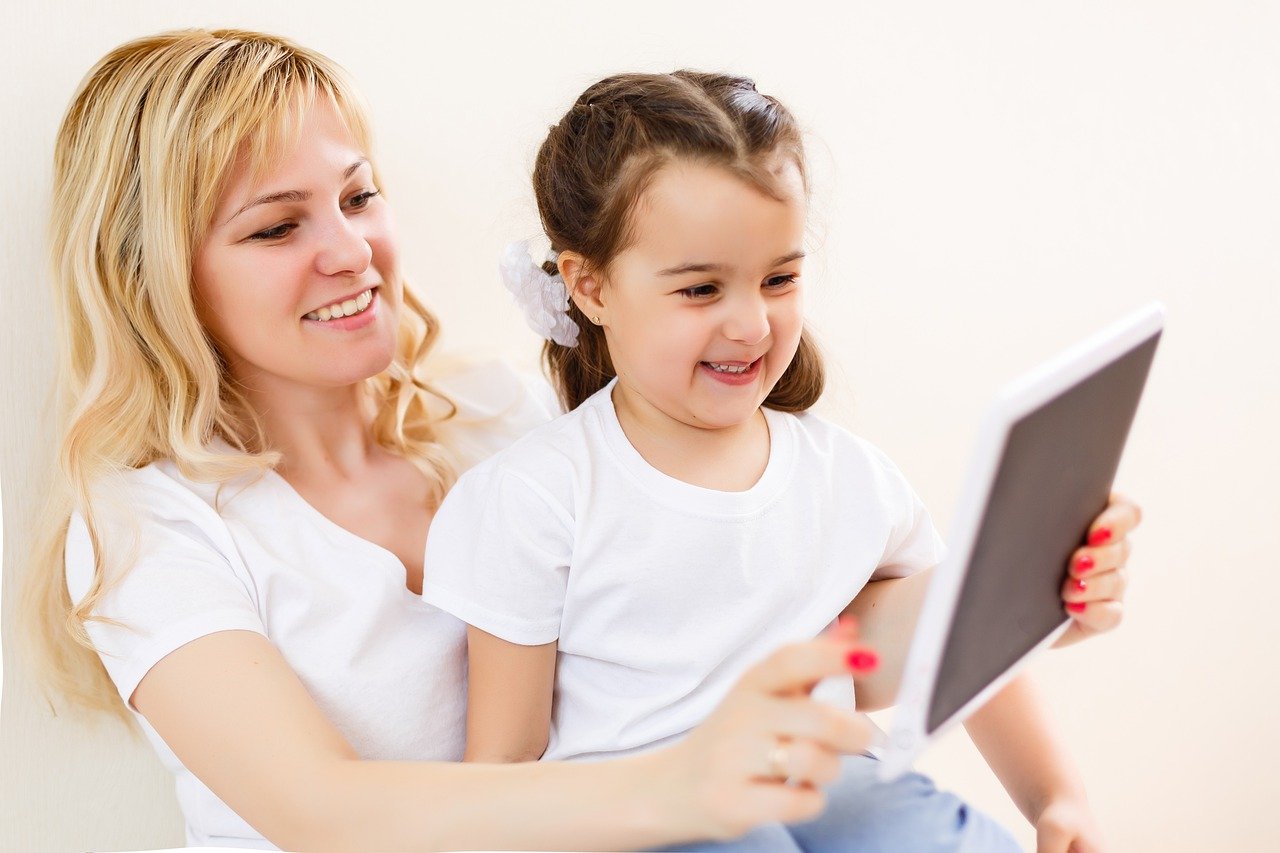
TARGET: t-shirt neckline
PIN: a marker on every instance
(687, 496)
(291, 494)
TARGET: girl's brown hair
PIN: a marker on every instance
(597, 162)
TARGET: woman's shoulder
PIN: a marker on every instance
(494, 406)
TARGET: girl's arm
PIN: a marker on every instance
(238, 717)
(509, 689)
(886, 612)
(1016, 736)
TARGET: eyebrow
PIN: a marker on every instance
(294, 195)
(706, 267)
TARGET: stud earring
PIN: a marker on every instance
(596, 320)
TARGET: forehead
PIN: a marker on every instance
(302, 151)
(695, 210)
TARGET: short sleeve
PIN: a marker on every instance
(914, 544)
(498, 556)
(176, 588)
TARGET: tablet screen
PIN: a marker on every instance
(1054, 478)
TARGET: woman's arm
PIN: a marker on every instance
(509, 689)
(238, 717)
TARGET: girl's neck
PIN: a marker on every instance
(727, 459)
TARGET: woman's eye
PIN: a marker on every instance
(281, 230)
(361, 200)
(700, 291)
(778, 282)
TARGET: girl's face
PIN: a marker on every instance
(702, 312)
(313, 240)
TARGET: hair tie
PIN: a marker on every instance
(542, 298)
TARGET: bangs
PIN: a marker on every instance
(255, 112)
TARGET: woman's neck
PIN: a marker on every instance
(321, 433)
(727, 459)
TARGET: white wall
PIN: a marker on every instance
(995, 180)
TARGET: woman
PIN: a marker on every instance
(251, 452)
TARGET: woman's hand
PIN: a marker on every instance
(763, 753)
(1067, 826)
(1094, 591)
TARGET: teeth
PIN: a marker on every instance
(343, 309)
(729, 368)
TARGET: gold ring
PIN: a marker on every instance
(778, 761)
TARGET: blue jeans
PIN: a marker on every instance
(865, 814)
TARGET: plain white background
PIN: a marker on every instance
(994, 180)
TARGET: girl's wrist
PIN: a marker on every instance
(1061, 795)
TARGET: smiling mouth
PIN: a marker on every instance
(730, 367)
(346, 308)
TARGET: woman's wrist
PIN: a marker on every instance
(661, 798)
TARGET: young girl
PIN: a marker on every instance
(620, 566)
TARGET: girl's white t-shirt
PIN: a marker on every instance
(386, 668)
(660, 594)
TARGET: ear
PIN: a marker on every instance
(585, 286)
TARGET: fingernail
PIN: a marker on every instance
(1079, 585)
(1077, 606)
(1097, 537)
(1084, 563)
(863, 660)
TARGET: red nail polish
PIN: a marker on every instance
(1077, 606)
(1102, 534)
(1084, 563)
(1080, 585)
(863, 660)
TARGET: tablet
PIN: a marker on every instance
(1046, 456)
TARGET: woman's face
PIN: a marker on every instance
(298, 278)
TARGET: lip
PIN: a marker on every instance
(355, 321)
(745, 378)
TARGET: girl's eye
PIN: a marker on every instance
(779, 282)
(276, 233)
(699, 291)
(361, 200)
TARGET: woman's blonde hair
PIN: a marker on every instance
(141, 159)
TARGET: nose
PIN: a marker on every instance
(748, 320)
(343, 249)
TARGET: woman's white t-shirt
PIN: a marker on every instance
(387, 669)
(660, 594)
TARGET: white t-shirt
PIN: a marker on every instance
(660, 593)
(387, 669)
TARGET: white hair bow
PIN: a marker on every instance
(542, 298)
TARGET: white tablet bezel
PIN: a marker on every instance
(908, 736)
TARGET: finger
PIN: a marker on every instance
(1090, 561)
(1107, 586)
(801, 762)
(1115, 522)
(793, 667)
(828, 726)
(774, 801)
(1094, 617)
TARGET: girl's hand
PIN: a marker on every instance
(1067, 826)
(763, 753)
(1094, 592)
